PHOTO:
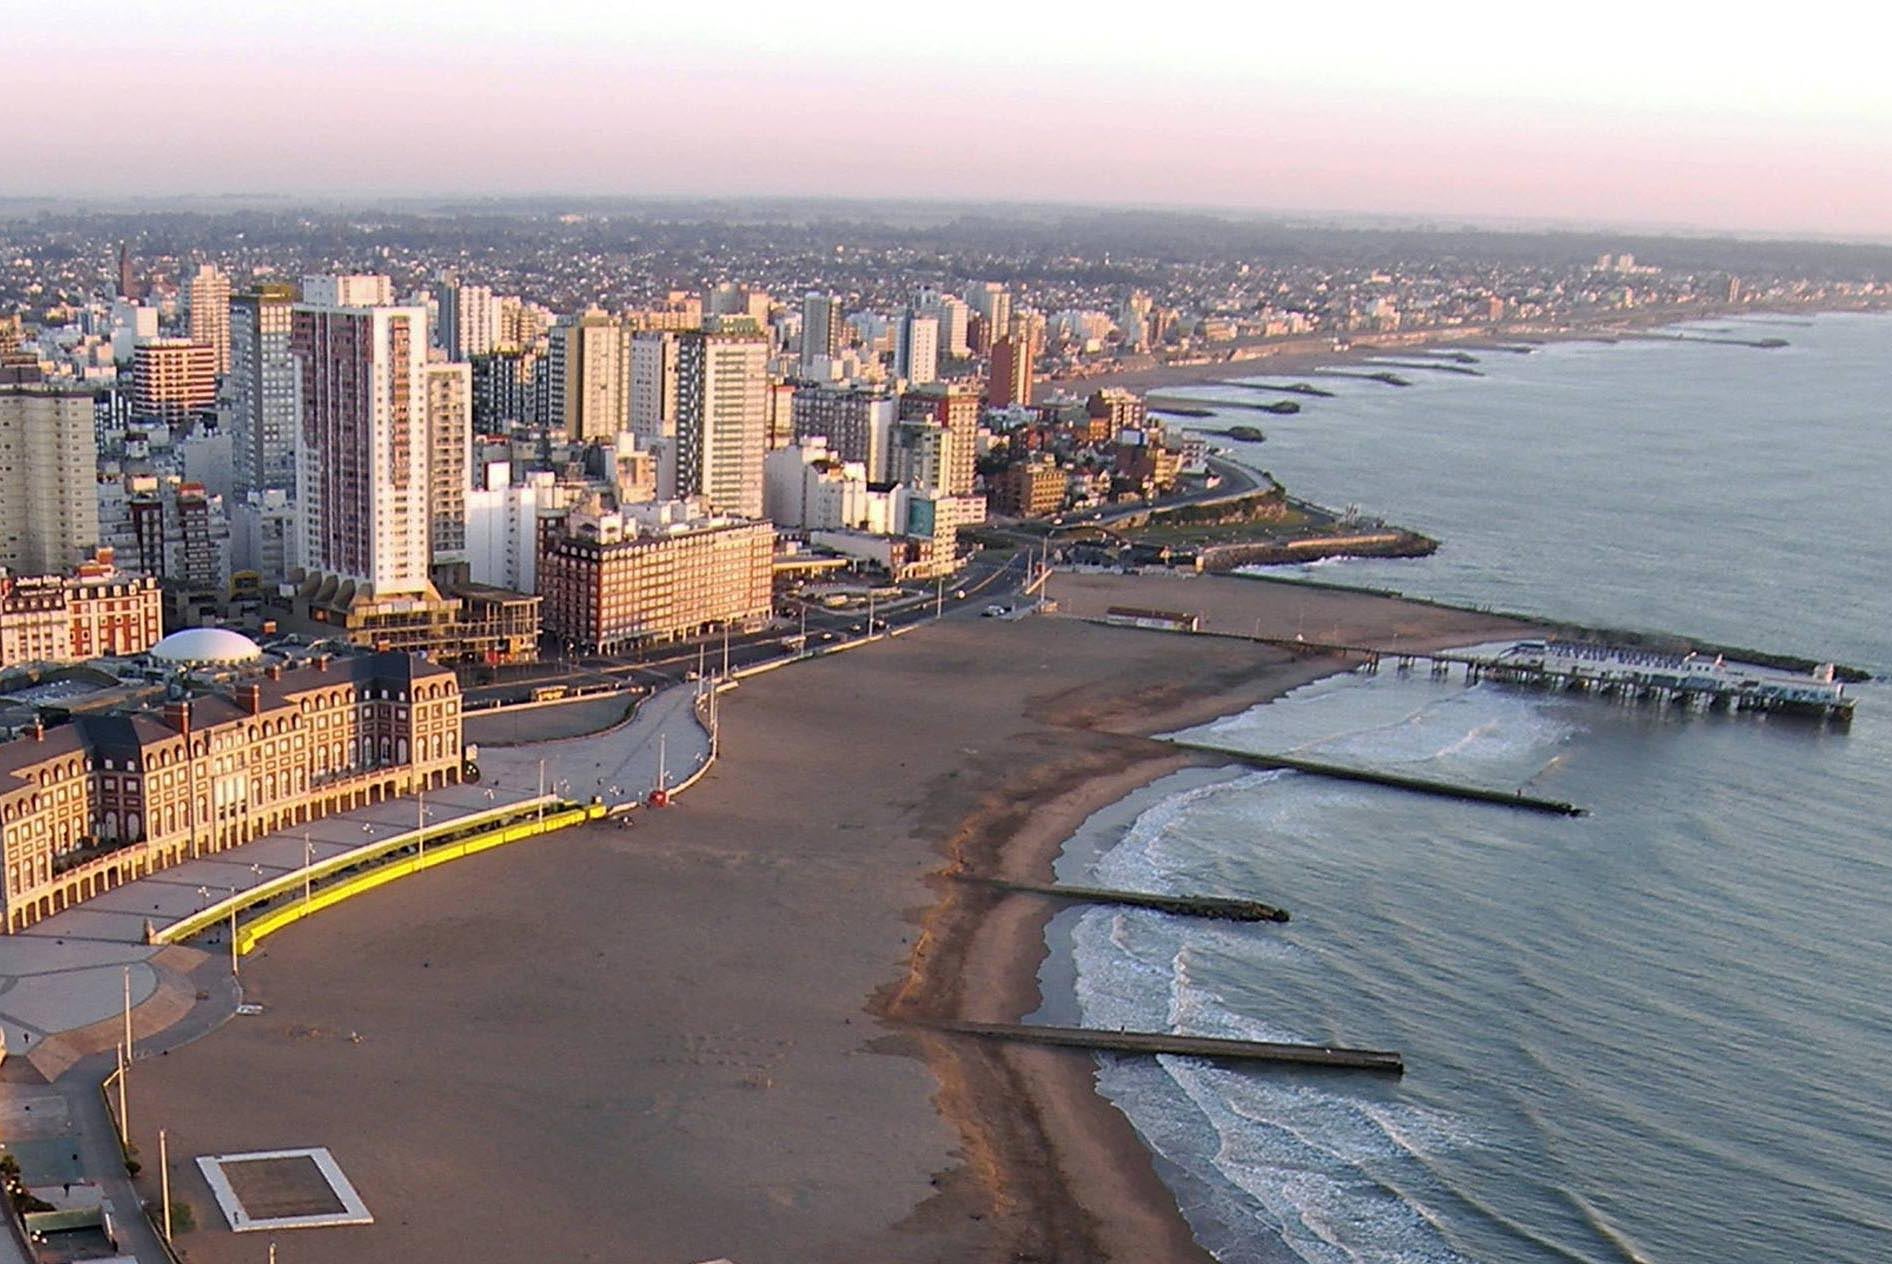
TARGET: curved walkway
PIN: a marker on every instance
(67, 973)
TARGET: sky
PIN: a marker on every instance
(1657, 114)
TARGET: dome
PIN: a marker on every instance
(195, 646)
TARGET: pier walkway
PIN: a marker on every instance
(1666, 684)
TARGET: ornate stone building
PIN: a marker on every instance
(104, 799)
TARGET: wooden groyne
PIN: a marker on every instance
(1399, 781)
(1218, 908)
(1156, 1042)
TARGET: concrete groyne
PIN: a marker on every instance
(1217, 908)
(1398, 781)
(1154, 1042)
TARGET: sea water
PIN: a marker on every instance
(1661, 1032)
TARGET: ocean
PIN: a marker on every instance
(1658, 1033)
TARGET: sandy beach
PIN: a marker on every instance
(704, 1035)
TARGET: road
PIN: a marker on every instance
(984, 581)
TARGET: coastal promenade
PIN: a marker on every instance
(70, 983)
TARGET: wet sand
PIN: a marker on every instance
(693, 1038)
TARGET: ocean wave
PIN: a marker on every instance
(1325, 1177)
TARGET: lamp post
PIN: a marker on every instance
(164, 1181)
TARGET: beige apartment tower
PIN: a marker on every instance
(210, 314)
(49, 511)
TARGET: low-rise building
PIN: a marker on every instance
(1029, 489)
(103, 799)
(97, 612)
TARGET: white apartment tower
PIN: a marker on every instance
(916, 349)
(653, 385)
(722, 416)
(363, 462)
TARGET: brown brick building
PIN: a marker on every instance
(607, 584)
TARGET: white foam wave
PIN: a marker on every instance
(1309, 1164)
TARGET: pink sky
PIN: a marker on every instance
(367, 104)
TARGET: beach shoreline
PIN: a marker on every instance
(981, 952)
(1307, 355)
(713, 1042)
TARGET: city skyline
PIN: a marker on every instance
(1626, 118)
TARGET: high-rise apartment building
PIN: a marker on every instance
(993, 303)
(916, 349)
(954, 408)
(654, 385)
(502, 390)
(264, 416)
(355, 290)
(1009, 381)
(210, 313)
(590, 376)
(363, 464)
(469, 317)
(49, 510)
(951, 316)
(1114, 409)
(856, 421)
(450, 459)
(722, 416)
(172, 380)
(821, 329)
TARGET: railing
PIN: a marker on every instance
(250, 934)
(222, 911)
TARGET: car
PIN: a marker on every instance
(959, 594)
(992, 612)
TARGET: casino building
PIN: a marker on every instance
(102, 799)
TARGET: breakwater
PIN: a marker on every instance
(1398, 781)
(1221, 558)
(1212, 907)
(1155, 1042)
